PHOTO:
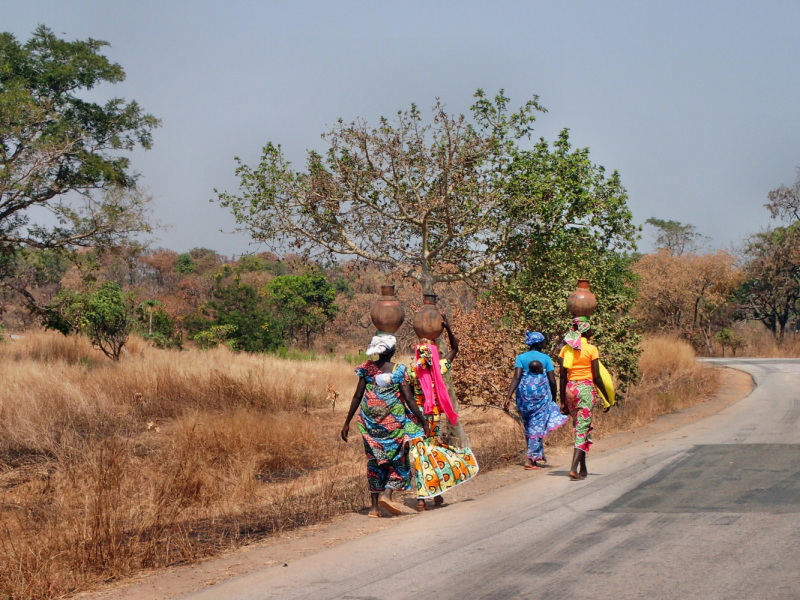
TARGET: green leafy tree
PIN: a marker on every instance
(580, 227)
(216, 335)
(728, 338)
(158, 327)
(242, 308)
(249, 263)
(304, 303)
(185, 264)
(56, 148)
(62, 155)
(675, 236)
(771, 293)
(104, 314)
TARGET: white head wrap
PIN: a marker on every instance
(380, 344)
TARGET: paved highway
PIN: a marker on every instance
(710, 510)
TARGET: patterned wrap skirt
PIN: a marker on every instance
(437, 466)
(581, 398)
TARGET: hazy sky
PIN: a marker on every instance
(695, 103)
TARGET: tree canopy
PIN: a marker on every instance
(302, 303)
(675, 236)
(62, 153)
(425, 198)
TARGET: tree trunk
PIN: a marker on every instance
(707, 335)
(452, 434)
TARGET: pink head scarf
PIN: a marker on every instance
(433, 385)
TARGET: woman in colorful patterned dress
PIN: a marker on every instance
(580, 380)
(437, 466)
(535, 384)
(385, 397)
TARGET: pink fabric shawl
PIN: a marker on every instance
(432, 384)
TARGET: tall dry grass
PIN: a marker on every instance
(164, 457)
(168, 456)
(758, 342)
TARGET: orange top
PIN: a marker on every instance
(582, 362)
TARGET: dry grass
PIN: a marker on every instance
(170, 456)
(162, 458)
(759, 342)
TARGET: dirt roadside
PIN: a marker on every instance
(281, 549)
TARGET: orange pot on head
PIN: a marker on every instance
(427, 321)
(582, 302)
(388, 314)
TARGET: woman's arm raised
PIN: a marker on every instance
(451, 337)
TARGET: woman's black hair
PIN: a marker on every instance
(387, 355)
(537, 346)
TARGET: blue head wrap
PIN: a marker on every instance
(533, 337)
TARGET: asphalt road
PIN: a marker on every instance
(710, 510)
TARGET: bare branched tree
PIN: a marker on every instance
(784, 202)
(426, 199)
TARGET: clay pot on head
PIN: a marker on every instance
(388, 314)
(582, 302)
(427, 321)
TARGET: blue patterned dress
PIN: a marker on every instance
(387, 429)
(540, 415)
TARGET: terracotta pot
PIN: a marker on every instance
(582, 302)
(427, 321)
(388, 314)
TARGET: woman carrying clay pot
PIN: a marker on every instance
(384, 395)
(580, 382)
(437, 466)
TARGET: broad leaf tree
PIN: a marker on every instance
(63, 154)
(771, 293)
(104, 314)
(676, 237)
(575, 223)
(302, 303)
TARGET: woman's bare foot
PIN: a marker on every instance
(438, 501)
(575, 476)
(421, 506)
(375, 513)
(583, 473)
